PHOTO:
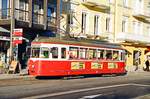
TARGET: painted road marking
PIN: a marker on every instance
(91, 96)
(82, 90)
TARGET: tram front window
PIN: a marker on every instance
(35, 52)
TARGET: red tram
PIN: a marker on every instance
(59, 57)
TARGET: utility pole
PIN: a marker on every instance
(69, 15)
(115, 20)
(12, 30)
(58, 19)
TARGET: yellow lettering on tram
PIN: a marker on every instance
(112, 66)
(77, 65)
(96, 65)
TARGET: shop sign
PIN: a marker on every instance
(17, 40)
(17, 36)
(18, 32)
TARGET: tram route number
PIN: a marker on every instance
(112, 66)
(77, 65)
(96, 65)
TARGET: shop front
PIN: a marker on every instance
(136, 55)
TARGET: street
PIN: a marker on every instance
(132, 85)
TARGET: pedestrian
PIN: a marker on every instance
(136, 65)
(147, 65)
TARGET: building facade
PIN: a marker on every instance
(35, 17)
(126, 22)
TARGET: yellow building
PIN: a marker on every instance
(120, 21)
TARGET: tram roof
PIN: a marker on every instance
(77, 41)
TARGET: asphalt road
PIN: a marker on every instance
(121, 87)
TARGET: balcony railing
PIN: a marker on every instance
(132, 37)
(38, 18)
(5, 13)
(51, 21)
(22, 15)
(101, 4)
(142, 14)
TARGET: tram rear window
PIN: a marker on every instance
(35, 52)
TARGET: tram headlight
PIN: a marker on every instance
(32, 66)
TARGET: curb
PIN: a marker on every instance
(14, 76)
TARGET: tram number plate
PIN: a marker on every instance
(77, 65)
(112, 66)
(95, 65)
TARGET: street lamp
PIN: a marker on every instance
(12, 30)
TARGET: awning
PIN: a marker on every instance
(4, 30)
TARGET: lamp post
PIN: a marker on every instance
(115, 20)
(58, 19)
(12, 30)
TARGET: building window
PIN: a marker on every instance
(124, 24)
(135, 29)
(148, 30)
(111, 1)
(96, 25)
(140, 27)
(38, 11)
(125, 3)
(108, 24)
(84, 22)
(51, 14)
(70, 18)
(4, 9)
(22, 11)
(138, 6)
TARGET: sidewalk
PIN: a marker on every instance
(14, 76)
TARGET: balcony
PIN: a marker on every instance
(97, 4)
(131, 37)
(142, 14)
(22, 19)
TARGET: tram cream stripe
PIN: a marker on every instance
(75, 91)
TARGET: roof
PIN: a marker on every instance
(77, 41)
(4, 30)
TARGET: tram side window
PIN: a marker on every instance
(122, 56)
(108, 54)
(44, 52)
(92, 54)
(35, 52)
(54, 52)
(83, 52)
(100, 54)
(115, 55)
(73, 53)
(63, 53)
